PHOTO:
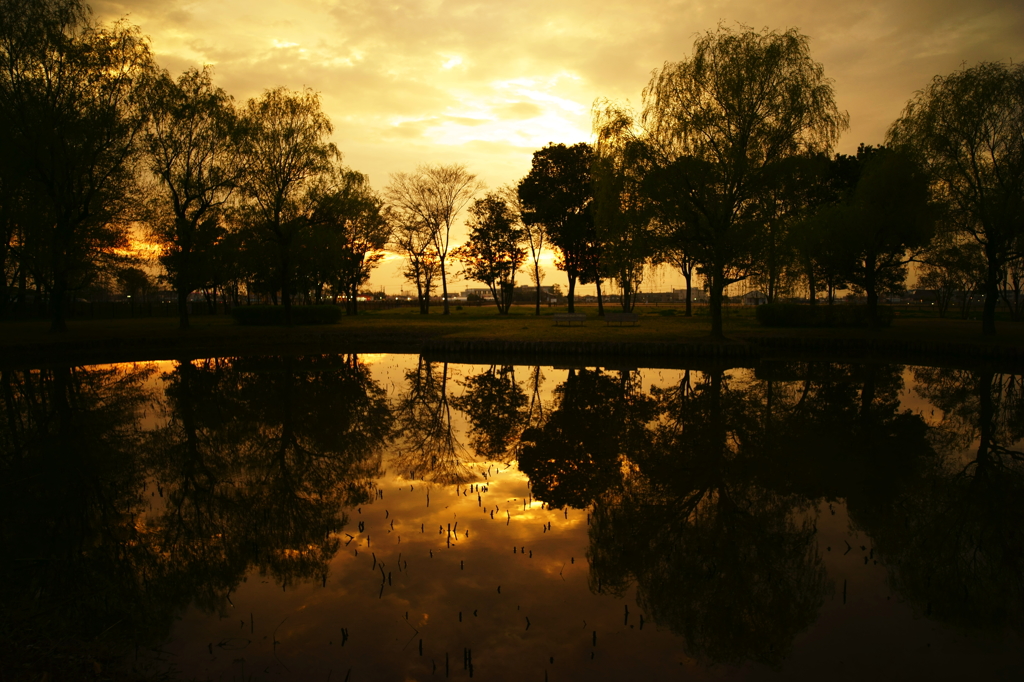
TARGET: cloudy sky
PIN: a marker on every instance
(487, 83)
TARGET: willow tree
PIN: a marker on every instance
(723, 120)
(287, 154)
(624, 216)
(191, 145)
(967, 129)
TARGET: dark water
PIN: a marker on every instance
(384, 518)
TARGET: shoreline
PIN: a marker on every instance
(498, 342)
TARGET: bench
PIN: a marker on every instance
(621, 318)
(569, 318)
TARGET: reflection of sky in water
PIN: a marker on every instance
(508, 589)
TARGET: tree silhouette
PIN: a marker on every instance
(191, 144)
(952, 537)
(69, 109)
(965, 129)
(494, 403)
(723, 119)
(718, 558)
(430, 449)
(494, 252)
(286, 152)
(557, 194)
(431, 199)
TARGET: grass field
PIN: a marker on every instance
(405, 330)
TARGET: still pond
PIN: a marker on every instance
(382, 517)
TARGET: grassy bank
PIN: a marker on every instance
(404, 330)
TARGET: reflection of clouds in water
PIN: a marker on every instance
(802, 438)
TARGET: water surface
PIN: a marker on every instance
(384, 517)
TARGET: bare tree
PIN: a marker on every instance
(411, 238)
(433, 197)
(534, 232)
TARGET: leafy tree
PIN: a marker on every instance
(623, 215)
(883, 224)
(191, 145)
(722, 121)
(557, 194)
(814, 241)
(346, 230)
(286, 151)
(494, 252)
(953, 265)
(134, 283)
(70, 111)
(967, 130)
(431, 199)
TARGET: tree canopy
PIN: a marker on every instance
(723, 119)
(967, 130)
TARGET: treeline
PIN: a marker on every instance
(725, 172)
(97, 139)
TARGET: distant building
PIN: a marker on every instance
(699, 295)
(753, 298)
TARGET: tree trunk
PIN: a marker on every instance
(600, 299)
(286, 298)
(717, 289)
(59, 293)
(688, 276)
(182, 309)
(988, 315)
(572, 293)
(444, 289)
(536, 274)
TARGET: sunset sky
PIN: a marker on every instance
(407, 82)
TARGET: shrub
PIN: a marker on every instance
(797, 315)
(274, 314)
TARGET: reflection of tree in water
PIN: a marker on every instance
(576, 453)
(831, 431)
(430, 450)
(266, 453)
(706, 498)
(494, 404)
(253, 466)
(954, 538)
(70, 492)
(718, 558)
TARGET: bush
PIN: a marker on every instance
(274, 314)
(797, 315)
